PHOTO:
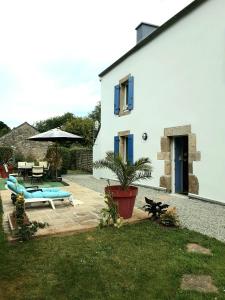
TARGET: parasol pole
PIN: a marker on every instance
(56, 157)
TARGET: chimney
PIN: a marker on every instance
(144, 29)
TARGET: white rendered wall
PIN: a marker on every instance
(179, 79)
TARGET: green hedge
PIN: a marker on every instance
(66, 159)
(81, 159)
(69, 158)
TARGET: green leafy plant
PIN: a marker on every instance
(58, 159)
(155, 209)
(25, 228)
(170, 217)
(4, 129)
(28, 230)
(126, 173)
(6, 154)
(54, 159)
(20, 210)
(65, 154)
(30, 158)
(77, 156)
(109, 214)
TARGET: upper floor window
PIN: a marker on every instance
(124, 96)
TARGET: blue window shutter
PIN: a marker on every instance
(130, 92)
(130, 152)
(116, 99)
(116, 145)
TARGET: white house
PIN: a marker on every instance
(165, 99)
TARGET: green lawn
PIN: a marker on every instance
(142, 261)
(28, 183)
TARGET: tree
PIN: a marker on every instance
(54, 122)
(4, 128)
(96, 113)
(83, 127)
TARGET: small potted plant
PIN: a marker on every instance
(125, 194)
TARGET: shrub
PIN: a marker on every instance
(54, 159)
(155, 209)
(30, 158)
(20, 210)
(81, 159)
(65, 154)
(18, 156)
(170, 217)
(59, 160)
(1, 208)
(6, 154)
(26, 231)
(109, 214)
(25, 228)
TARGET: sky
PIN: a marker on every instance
(51, 51)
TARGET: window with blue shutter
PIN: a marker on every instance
(124, 96)
(130, 92)
(116, 99)
(116, 145)
(130, 148)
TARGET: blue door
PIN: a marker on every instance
(181, 164)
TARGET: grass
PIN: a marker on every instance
(142, 261)
(27, 183)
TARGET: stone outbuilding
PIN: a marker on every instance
(17, 138)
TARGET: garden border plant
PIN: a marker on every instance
(25, 229)
(109, 214)
(161, 213)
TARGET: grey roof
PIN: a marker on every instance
(55, 135)
(153, 35)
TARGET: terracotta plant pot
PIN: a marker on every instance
(124, 198)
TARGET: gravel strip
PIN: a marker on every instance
(197, 215)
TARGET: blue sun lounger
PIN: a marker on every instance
(35, 194)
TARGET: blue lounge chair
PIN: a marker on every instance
(35, 194)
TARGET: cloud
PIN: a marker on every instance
(53, 50)
(48, 101)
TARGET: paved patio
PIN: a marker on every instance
(66, 218)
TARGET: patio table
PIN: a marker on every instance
(24, 171)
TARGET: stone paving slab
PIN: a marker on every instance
(199, 283)
(66, 218)
(195, 248)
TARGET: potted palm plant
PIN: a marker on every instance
(124, 194)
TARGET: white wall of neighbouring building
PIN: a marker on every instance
(179, 79)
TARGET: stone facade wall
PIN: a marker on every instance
(18, 139)
(82, 159)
